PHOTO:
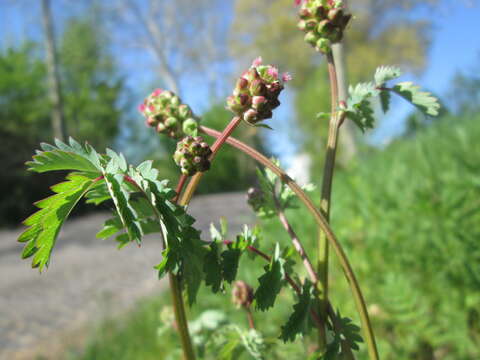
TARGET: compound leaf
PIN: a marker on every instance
(423, 100)
(45, 224)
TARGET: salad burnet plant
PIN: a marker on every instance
(144, 203)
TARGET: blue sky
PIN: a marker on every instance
(455, 46)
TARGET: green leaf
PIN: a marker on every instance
(348, 331)
(297, 323)
(125, 211)
(45, 224)
(423, 100)
(270, 282)
(212, 268)
(386, 73)
(193, 255)
(65, 157)
(110, 228)
(230, 260)
(385, 100)
(359, 106)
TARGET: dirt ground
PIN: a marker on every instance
(87, 280)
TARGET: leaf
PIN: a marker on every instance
(110, 228)
(423, 100)
(212, 268)
(230, 260)
(65, 157)
(125, 211)
(385, 100)
(270, 282)
(386, 73)
(359, 106)
(192, 267)
(297, 323)
(45, 224)
(348, 331)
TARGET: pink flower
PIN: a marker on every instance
(273, 72)
(286, 77)
(141, 108)
(151, 108)
(257, 62)
(298, 2)
(157, 92)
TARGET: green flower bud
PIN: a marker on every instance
(192, 155)
(190, 127)
(323, 45)
(311, 38)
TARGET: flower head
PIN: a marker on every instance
(323, 22)
(166, 113)
(256, 92)
(192, 155)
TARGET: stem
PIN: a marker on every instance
(179, 188)
(332, 140)
(323, 224)
(307, 264)
(181, 317)
(175, 288)
(251, 323)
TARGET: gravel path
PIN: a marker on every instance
(87, 279)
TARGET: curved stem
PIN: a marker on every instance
(323, 224)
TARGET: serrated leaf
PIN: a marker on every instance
(359, 106)
(212, 268)
(423, 100)
(192, 267)
(125, 211)
(386, 73)
(45, 224)
(62, 158)
(110, 228)
(271, 282)
(118, 159)
(385, 100)
(230, 260)
(297, 323)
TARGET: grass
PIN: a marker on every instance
(408, 218)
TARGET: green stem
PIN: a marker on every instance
(323, 224)
(174, 281)
(181, 317)
(332, 140)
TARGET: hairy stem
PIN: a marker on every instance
(323, 224)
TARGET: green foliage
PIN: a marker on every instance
(361, 109)
(45, 224)
(274, 195)
(423, 100)
(271, 282)
(142, 202)
(297, 323)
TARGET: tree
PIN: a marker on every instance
(54, 87)
(92, 86)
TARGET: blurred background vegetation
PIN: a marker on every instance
(406, 210)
